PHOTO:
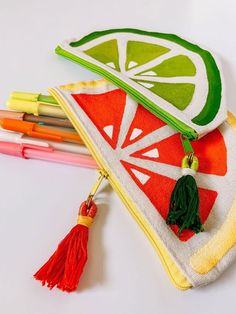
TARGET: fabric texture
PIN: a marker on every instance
(143, 155)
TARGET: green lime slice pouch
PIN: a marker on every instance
(174, 79)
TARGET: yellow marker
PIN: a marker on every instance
(36, 104)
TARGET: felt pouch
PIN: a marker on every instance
(141, 156)
(176, 80)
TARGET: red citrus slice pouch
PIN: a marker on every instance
(141, 156)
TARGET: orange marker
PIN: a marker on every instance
(37, 131)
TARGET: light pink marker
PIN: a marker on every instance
(30, 151)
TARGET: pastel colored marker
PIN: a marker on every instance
(30, 151)
(44, 120)
(38, 131)
(20, 138)
(36, 104)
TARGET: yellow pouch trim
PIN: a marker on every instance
(176, 276)
(210, 254)
(80, 85)
(231, 119)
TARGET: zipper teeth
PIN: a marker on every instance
(178, 125)
(112, 182)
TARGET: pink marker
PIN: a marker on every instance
(30, 151)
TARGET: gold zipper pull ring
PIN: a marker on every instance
(103, 175)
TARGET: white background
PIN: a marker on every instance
(39, 200)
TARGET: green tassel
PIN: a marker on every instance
(184, 202)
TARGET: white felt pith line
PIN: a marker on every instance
(174, 172)
(128, 116)
(149, 139)
(161, 79)
(121, 45)
(147, 66)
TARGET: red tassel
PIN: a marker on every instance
(65, 266)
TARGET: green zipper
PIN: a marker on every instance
(188, 149)
(180, 126)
